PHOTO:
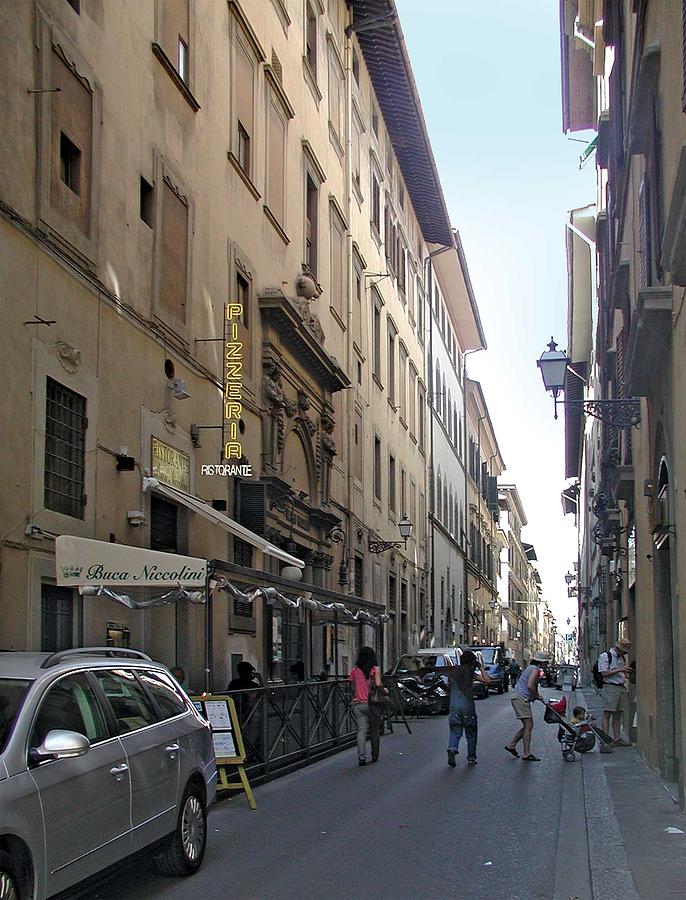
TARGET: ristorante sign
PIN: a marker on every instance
(233, 389)
(81, 562)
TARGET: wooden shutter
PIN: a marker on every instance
(249, 505)
(643, 235)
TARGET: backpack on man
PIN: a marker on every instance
(597, 674)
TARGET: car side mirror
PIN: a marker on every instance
(60, 744)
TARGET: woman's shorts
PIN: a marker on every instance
(522, 708)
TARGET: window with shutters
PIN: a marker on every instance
(644, 248)
(277, 140)
(359, 447)
(403, 492)
(311, 39)
(359, 575)
(392, 592)
(65, 456)
(377, 468)
(392, 334)
(439, 497)
(421, 403)
(402, 381)
(391, 483)
(336, 99)
(338, 282)
(72, 124)
(358, 311)
(173, 249)
(356, 152)
(244, 65)
(412, 400)
(173, 45)
(376, 336)
(376, 204)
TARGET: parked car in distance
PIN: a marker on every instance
(481, 691)
(102, 754)
(497, 667)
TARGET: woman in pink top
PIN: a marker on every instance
(366, 670)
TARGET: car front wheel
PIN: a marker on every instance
(185, 848)
(9, 884)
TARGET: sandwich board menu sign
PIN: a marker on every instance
(220, 712)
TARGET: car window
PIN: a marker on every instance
(128, 700)
(70, 705)
(168, 698)
(12, 693)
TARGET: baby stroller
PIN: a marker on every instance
(579, 738)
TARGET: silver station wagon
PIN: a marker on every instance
(101, 755)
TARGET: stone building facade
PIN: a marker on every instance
(623, 75)
(162, 159)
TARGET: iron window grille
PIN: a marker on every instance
(65, 442)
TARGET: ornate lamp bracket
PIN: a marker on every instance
(381, 546)
(623, 413)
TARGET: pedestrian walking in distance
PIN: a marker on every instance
(365, 672)
(614, 670)
(526, 693)
(462, 714)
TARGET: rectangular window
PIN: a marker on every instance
(243, 286)
(357, 311)
(174, 253)
(375, 120)
(377, 468)
(174, 34)
(402, 382)
(182, 60)
(147, 203)
(336, 95)
(276, 159)
(359, 447)
(376, 203)
(356, 67)
(392, 593)
(65, 450)
(391, 360)
(311, 223)
(244, 68)
(412, 394)
(311, 39)
(357, 153)
(70, 164)
(420, 312)
(421, 401)
(72, 127)
(403, 492)
(337, 287)
(391, 483)
(243, 154)
(359, 576)
(377, 337)
(57, 618)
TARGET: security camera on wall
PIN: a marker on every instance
(179, 388)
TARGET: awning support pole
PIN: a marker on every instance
(208, 632)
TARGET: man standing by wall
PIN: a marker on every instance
(614, 670)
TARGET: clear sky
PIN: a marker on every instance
(488, 75)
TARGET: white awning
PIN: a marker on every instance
(81, 562)
(195, 504)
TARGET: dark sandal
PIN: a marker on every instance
(513, 751)
(531, 758)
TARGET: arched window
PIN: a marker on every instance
(449, 419)
(439, 499)
(451, 510)
(437, 390)
(457, 437)
(445, 504)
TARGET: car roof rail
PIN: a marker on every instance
(55, 658)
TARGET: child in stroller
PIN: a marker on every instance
(576, 733)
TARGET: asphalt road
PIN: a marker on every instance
(406, 827)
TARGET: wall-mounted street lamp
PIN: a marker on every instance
(569, 578)
(554, 365)
(405, 529)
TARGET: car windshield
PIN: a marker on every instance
(407, 663)
(488, 654)
(12, 693)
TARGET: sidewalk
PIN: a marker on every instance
(628, 812)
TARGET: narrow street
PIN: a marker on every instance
(408, 826)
